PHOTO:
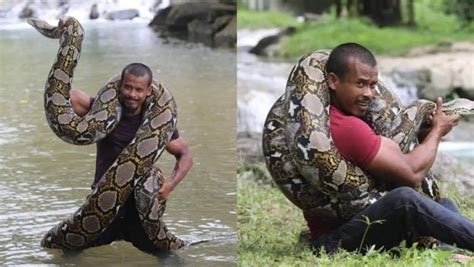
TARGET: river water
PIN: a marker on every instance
(43, 179)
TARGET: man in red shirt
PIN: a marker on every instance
(352, 75)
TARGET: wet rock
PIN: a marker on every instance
(439, 74)
(403, 77)
(201, 31)
(269, 46)
(177, 17)
(212, 34)
(227, 37)
(122, 14)
(160, 18)
(311, 17)
(209, 23)
(454, 173)
(222, 21)
(180, 15)
(249, 147)
(94, 14)
(27, 12)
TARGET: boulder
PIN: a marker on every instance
(222, 21)
(177, 17)
(94, 14)
(27, 12)
(213, 24)
(249, 147)
(227, 37)
(464, 80)
(269, 46)
(453, 173)
(201, 31)
(159, 20)
(122, 14)
(438, 74)
(180, 15)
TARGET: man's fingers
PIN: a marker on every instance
(439, 104)
(456, 119)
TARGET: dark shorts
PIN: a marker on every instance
(127, 226)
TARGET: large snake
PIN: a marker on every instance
(132, 172)
(305, 164)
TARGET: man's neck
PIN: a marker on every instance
(129, 114)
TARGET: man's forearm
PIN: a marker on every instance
(181, 168)
(423, 156)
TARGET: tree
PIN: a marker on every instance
(382, 12)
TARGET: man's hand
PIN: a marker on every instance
(443, 124)
(410, 169)
(165, 190)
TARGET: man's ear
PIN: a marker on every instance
(333, 81)
(150, 88)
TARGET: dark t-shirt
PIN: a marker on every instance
(109, 148)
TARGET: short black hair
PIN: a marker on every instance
(138, 70)
(339, 56)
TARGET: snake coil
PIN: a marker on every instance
(301, 156)
(132, 172)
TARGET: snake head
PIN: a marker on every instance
(44, 28)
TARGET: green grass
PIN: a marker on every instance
(266, 19)
(269, 229)
(432, 27)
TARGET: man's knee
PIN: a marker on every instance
(404, 194)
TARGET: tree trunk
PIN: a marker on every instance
(411, 14)
(338, 8)
(382, 12)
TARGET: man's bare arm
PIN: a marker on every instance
(409, 169)
(184, 160)
(80, 101)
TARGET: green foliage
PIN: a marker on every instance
(367, 222)
(463, 9)
(241, 5)
(265, 19)
(270, 226)
(432, 27)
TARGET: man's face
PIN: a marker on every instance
(354, 91)
(134, 90)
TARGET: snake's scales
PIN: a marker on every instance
(303, 160)
(132, 172)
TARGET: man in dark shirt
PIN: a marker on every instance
(135, 86)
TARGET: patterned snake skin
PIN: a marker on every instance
(132, 172)
(303, 160)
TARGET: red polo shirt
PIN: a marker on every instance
(356, 141)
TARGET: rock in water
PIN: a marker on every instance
(228, 36)
(27, 12)
(94, 12)
(122, 14)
